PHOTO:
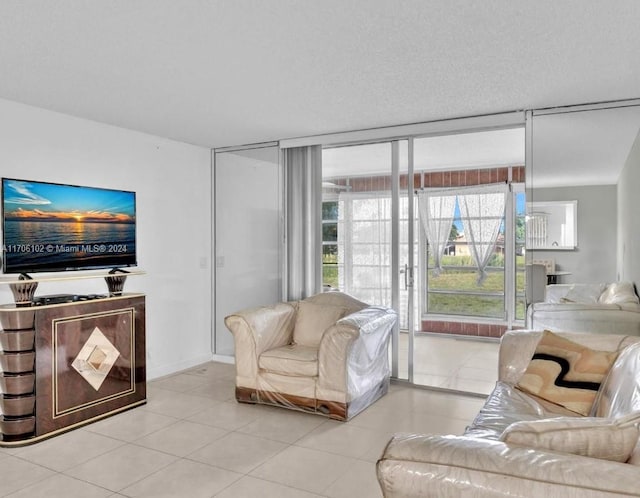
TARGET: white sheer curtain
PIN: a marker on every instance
(437, 209)
(482, 211)
(303, 174)
(364, 246)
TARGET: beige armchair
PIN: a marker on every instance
(326, 354)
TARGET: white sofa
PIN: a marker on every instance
(602, 308)
(327, 354)
(480, 464)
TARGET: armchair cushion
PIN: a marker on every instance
(312, 320)
(588, 436)
(294, 359)
(566, 373)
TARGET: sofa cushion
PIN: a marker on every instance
(619, 394)
(565, 307)
(506, 405)
(619, 293)
(566, 373)
(583, 293)
(294, 360)
(312, 320)
(634, 459)
(587, 436)
(554, 293)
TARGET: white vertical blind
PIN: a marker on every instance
(303, 170)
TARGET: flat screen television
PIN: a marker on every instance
(53, 227)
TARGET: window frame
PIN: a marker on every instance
(509, 295)
(327, 198)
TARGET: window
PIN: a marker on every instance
(455, 284)
(457, 289)
(520, 234)
(364, 246)
(330, 243)
(357, 225)
(355, 229)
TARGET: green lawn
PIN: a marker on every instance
(459, 279)
(330, 275)
(482, 306)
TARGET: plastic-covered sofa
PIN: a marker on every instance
(327, 354)
(600, 308)
(481, 464)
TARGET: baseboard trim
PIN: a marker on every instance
(221, 358)
(168, 369)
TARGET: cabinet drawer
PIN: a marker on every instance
(17, 362)
(21, 340)
(17, 384)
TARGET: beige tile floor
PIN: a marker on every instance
(193, 440)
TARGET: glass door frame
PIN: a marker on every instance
(408, 271)
(394, 135)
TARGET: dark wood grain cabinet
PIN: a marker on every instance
(68, 364)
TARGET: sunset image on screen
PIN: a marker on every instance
(50, 202)
(49, 226)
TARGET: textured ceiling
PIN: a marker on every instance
(221, 73)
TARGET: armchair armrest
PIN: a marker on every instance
(428, 465)
(256, 330)
(352, 350)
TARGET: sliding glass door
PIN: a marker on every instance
(432, 226)
(367, 245)
(471, 201)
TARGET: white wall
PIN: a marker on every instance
(248, 234)
(628, 220)
(172, 181)
(595, 258)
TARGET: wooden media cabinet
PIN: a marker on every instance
(68, 364)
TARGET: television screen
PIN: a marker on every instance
(53, 227)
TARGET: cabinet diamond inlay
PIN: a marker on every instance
(95, 359)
